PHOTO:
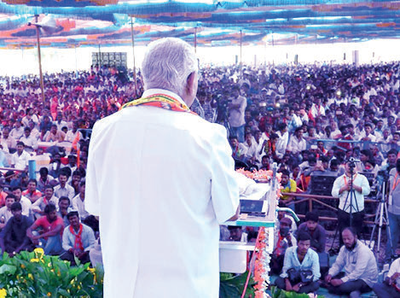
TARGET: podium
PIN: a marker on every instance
(234, 254)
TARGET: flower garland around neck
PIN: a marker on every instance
(161, 101)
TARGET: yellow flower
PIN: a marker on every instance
(48, 294)
(92, 270)
(30, 276)
(39, 252)
(34, 260)
(3, 293)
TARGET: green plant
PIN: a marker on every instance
(278, 293)
(232, 286)
(33, 274)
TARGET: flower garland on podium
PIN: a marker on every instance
(261, 263)
(262, 248)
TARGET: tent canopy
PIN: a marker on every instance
(210, 22)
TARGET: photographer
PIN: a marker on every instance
(350, 188)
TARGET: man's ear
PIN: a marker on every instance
(189, 93)
(190, 83)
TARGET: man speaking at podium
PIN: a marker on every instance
(162, 180)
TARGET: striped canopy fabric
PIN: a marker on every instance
(212, 23)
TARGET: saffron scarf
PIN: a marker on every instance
(161, 101)
(78, 237)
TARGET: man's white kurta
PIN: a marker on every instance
(161, 181)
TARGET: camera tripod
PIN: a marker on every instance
(381, 217)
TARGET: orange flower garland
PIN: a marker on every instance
(261, 263)
(262, 248)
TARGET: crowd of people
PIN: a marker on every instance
(310, 120)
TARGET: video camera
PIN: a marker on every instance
(382, 176)
(352, 162)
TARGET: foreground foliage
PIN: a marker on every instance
(33, 274)
(232, 286)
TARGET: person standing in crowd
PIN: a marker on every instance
(184, 177)
(359, 265)
(283, 139)
(393, 211)
(350, 188)
(236, 110)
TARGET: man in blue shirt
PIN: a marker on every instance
(300, 271)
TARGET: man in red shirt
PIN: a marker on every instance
(46, 231)
(31, 192)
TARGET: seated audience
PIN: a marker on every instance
(78, 240)
(236, 234)
(359, 265)
(283, 239)
(63, 209)
(300, 271)
(48, 197)
(288, 185)
(5, 211)
(13, 238)
(64, 189)
(316, 231)
(390, 287)
(44, 178)
(46, 231)
(31, 192)
(20, 159)
(25, 202)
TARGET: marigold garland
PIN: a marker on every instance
(262, 248)
(261, 175)
(261, 263)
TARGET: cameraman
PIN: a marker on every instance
(236, 110)
(350, 188)
(393, 210)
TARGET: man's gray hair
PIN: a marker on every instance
(167, 64)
